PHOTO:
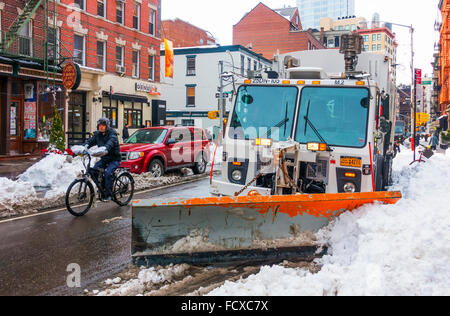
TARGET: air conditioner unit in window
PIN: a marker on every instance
(120, 69)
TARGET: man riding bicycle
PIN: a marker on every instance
(105, 136)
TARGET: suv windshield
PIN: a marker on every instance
(148, 136)
(263, 111)
(339, 114)
(399, 127)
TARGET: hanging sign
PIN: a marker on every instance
(71, 76)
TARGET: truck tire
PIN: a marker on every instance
(379, 185)
(200, 164)
(387, 172)
(156, 167)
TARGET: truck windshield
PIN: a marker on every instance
(264, 112)
(399, 127)
(339, 114)
(148, 136)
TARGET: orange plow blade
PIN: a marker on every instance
(224, 229)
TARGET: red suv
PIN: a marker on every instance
(160, 149)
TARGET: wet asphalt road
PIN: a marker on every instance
(35, 251)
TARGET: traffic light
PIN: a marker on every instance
(213, 115)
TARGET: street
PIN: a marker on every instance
(36, 251)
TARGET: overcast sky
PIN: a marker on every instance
(219, 16)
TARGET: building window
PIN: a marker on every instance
(101, 60)
(190, 66)
(119, 11)
(190, 95)
(341, 28)
(101, 8)
(78, 51)
(353, 27)
(53, 43)
(151, 67)
(110, 110)
(186, 122)
(374, 47)
(135, 61)
(255, 65)
(136, 15)
(133, 114)
(119, 55)
(25, 40)
(242, 65)
(151, 22)
(366, 48)
(249, 64)
(374, 37)
(79, 4)
(347, 27)
(379, 37)
(379, 47)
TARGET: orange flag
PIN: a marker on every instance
(169, 58)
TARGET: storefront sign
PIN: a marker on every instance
(71, 76)
(148, 88)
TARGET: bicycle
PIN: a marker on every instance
(81, 193)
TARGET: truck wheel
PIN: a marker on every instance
(200, 164)
(379, 185)
(156, 168)
(387, 172)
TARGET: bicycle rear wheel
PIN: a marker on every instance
(79, 197)
(123, 189)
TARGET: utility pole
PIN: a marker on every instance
(221, 102)
(413, 93)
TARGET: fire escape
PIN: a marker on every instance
(43, 50)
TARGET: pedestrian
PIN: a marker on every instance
(426, 137)
(397, 146)
(125, 132)
(434, 141)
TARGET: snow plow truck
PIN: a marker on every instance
(301, 147)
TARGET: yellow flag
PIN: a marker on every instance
(169, 58)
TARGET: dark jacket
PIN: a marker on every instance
(125, 133)
(110, 141)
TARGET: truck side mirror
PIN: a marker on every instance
(170, 142)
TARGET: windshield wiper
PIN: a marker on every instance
(308, 122)
(279, 125)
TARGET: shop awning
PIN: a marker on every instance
(126, 97)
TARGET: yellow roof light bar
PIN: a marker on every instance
(316, 82)
(267, 142)
(360, 83)
(317, 147)
(301, 82)
(286, 82)
(247, 81)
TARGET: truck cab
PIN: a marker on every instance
(341, 130)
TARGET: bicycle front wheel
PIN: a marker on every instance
(79, 197)
(123, 189)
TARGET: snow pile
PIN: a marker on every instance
(146, 280)
(401, 249)
(218, 159)
(13, 193)
(54, 171)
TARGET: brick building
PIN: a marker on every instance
(117, 46)
(184, 34)
(444, 64)
(268, 31)
(27, 72)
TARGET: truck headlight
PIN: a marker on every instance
(135, 155)
(236, 175)
(349, 187)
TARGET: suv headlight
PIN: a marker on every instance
(135, 155)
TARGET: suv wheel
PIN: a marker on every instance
(200, 164)
(156, 168)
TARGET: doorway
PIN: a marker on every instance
(77, 119)
(15, 129)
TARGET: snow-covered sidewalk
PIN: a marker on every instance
(401, 249)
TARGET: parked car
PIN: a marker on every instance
(161, 149)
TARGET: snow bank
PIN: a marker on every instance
(146, 279)
(401, 249)
(13, 193)
(55, 172)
